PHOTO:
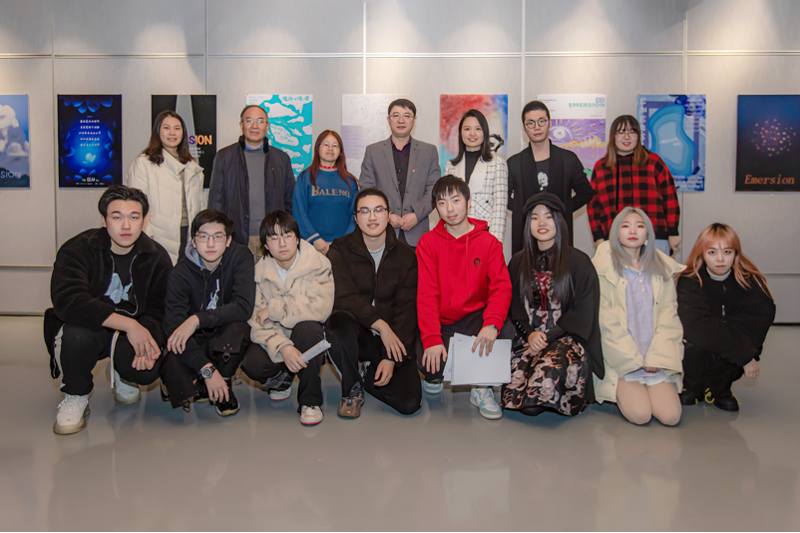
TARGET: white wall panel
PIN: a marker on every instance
(604, 25)
(27, 215)
(258, 27)
(141, 27)
(26, 27)
(422, 26)
(744, 25)
(24, 291)
(136, 79)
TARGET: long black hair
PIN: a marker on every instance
(486, 148)
(560, 281)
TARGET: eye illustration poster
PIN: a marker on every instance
(578, 124)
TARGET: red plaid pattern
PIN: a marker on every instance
(650, 188)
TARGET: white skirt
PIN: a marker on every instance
(649, 378)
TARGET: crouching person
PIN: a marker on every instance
(294, 296)
(108, 288)
(209, 300)
(373, 328)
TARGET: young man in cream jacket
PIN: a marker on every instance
(294, 297)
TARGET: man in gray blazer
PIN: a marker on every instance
(405, 170)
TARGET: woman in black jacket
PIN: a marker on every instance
(726, 310)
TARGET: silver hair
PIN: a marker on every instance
(649, 259)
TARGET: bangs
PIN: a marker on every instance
(627, 122)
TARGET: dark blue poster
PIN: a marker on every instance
(767, 143)
(89, 140)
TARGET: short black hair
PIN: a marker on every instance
(371, 191)
(449, 184)
(241, 115)
(126, 194)
(535, 105)
(211, 216)
(284, 221)
(403, 102)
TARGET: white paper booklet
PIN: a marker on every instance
(467, 368)
(315, 350)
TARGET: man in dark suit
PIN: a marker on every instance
(543, 167)
(405, 170)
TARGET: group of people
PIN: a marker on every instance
(189, 291)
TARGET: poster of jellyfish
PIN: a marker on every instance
(89, 140)
(767, 143)
(15, 149)
(674, 127)
(290, 118)
(453, 106)
(578, 124)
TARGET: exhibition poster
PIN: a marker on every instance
(364, 121)
(290, 117)
(767, 145)
(674, 127)
(15, 148)
(199, 112)
(578, 124)
(453, 106)
(89, 140)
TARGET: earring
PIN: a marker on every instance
(645, 242)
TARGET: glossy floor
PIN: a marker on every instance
(146, 466)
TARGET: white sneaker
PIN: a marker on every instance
(71, 415)
(483, 399)
(125, 393)
(310, 415)
(279, 395)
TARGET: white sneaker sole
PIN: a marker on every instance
(311, 422)
(281, 395)
(127, 401)
(485, 415)
(74, 428)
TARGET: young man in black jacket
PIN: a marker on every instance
(373, 327)
(108, 288)
(209, 300)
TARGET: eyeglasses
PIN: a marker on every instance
(542, 122)
(260, 121)
(275, 239)
(204, 237)
(630, 133)
(366, 210)
(396, 116)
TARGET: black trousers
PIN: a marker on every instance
(81, 348)
(352, 343)
(704, 369)
(469, 325)
(258, 365)
(216, 346)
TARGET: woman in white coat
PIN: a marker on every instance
(641, 333)
(173, 182)
(485, 173)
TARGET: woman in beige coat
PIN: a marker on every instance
(641, 332)
(294, 296)
(167, 173)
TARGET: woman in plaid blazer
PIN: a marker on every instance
(485, 173)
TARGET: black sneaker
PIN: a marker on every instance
(229, 407)
(201, 392)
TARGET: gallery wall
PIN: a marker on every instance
(422, 48)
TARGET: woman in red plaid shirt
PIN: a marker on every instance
(630, 175)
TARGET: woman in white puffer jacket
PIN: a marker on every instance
(173, 182)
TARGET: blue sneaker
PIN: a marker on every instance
(432, 388)
(483, 399)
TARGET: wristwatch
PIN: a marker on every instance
(207, 372)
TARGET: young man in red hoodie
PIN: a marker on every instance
(463, 287)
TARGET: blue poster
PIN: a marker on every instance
(15, 149)
(89, 140)
(290, 117)
(674, 127)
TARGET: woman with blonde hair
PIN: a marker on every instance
(639, 325)
(726, 309)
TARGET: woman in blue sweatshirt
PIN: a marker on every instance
(325, 193)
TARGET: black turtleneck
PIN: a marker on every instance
(471, 159)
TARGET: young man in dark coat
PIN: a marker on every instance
(108, 288)
(543, 167)
(373, 327)
(250, 178)
(209, 300)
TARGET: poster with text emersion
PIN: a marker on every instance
(290, 118)
(452, 108)
(89, 140)
(364, 121)
(674, 127)
(578, 124)
(15, 148)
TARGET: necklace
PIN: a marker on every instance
(327, 168)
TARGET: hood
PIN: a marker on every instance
(480, 227)
(309, 260)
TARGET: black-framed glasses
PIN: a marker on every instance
(542, 122)
(204, 237)
(377, 210)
